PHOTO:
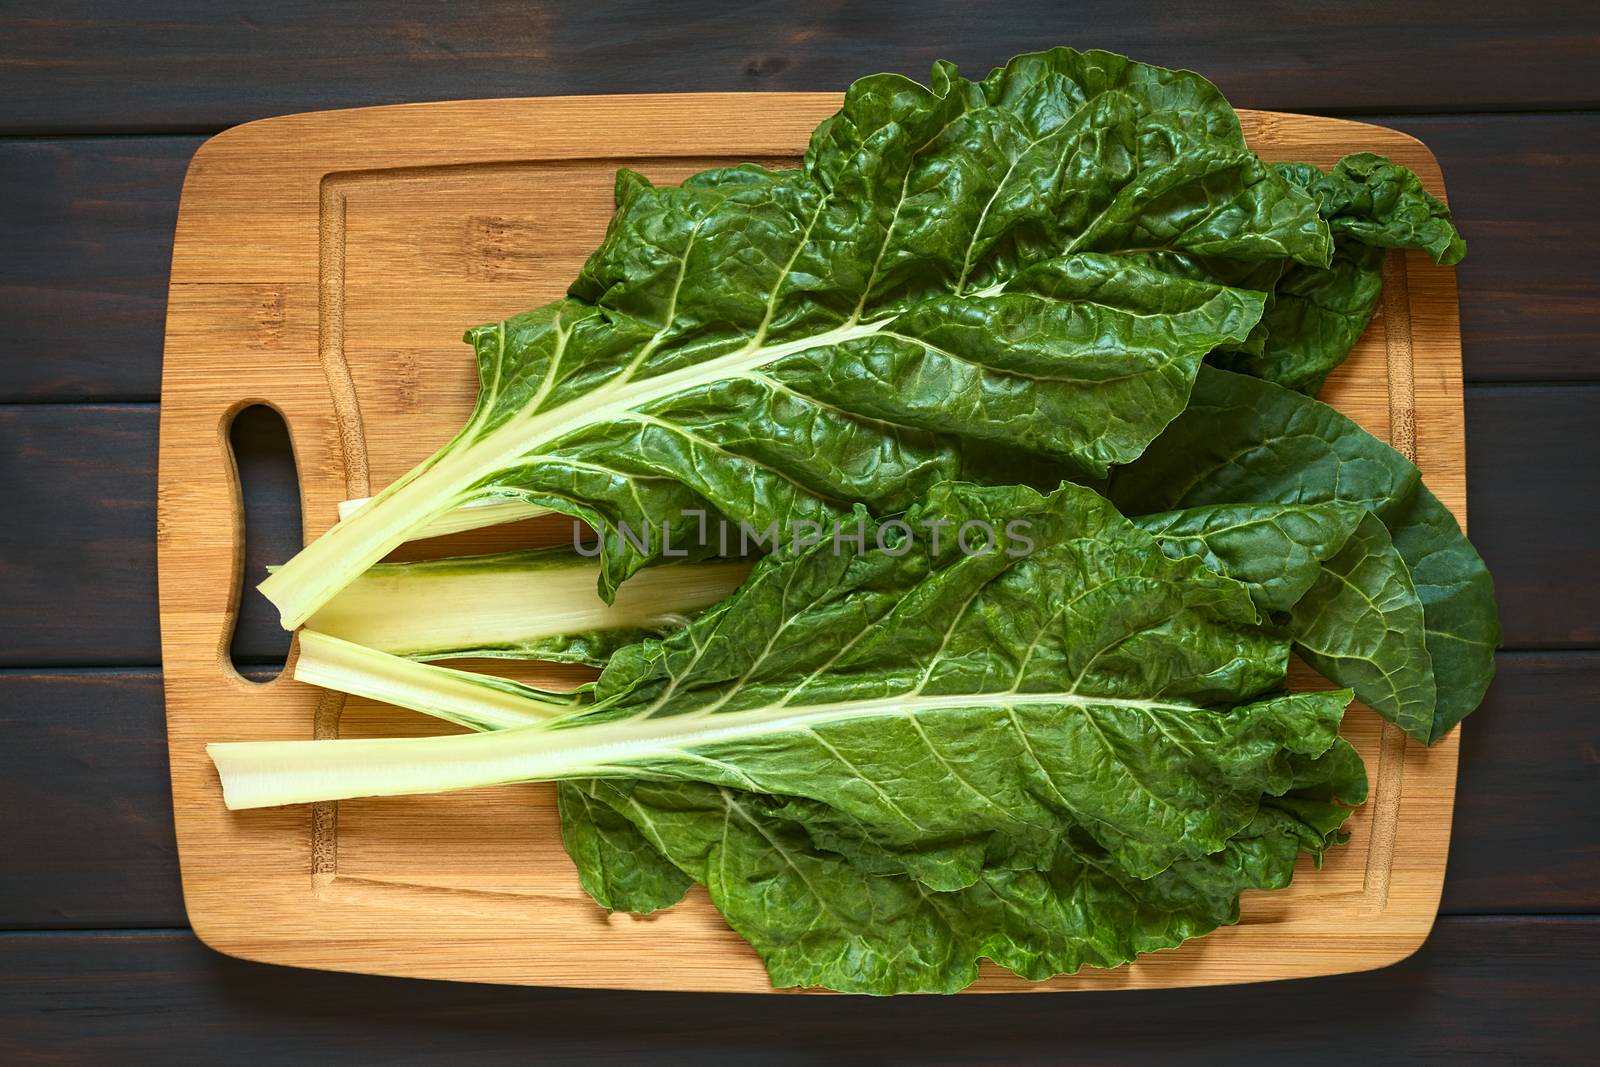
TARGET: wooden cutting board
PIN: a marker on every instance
(326, 265)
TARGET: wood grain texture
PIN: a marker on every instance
(85, 798)
(84, 284)
(1501, 990)
(171, 65)
(297, 239)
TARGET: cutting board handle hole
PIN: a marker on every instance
(270, 491)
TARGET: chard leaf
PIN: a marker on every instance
(1244, 439)
(1277, 550)
(844, 917)
(1457, 593)
(1370, 199)
(1313, 320)
(1315, 315)
(934, 695)
(1262, 276)
(1362, 625)
(937, 293)
(1071, 688)
(1346, 596)
(618, 859)
(886, 766)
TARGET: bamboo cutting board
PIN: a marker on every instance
(326, 265)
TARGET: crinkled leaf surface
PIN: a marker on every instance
(841, 913)
(1314, 318)
(1277, 550)
(619, 859)
(1380, 203)
(957, 279)
(1332, 574)
(1244, 439)
(1314, 314)
(1093, 652)
(936, 694)
(1069, 736)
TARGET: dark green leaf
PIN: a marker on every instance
(1463, 626)
(1377, 202)
(1361, 625)
(1050, 744)
(1092, 652)
(838, 915)
(1313, 320)
(1244, 439)
(953, 270)
(1277, 550)
(618, 865)
(1315, 315)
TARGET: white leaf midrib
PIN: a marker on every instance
(265, 773)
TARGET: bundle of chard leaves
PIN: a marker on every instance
(1030, 360)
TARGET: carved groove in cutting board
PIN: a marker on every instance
(385, 231)
(1390, 779)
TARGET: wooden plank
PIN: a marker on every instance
(1508, 990)
(85, 281)
(170, 65)
(1525, 835)
(87, 233)
(77, 529)
(86, 827)
(1536, 462)
(1531, 454)
(78, 533)
(1522, 190)
(294, 236)
(85, 803)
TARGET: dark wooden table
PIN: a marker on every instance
(101, 106)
